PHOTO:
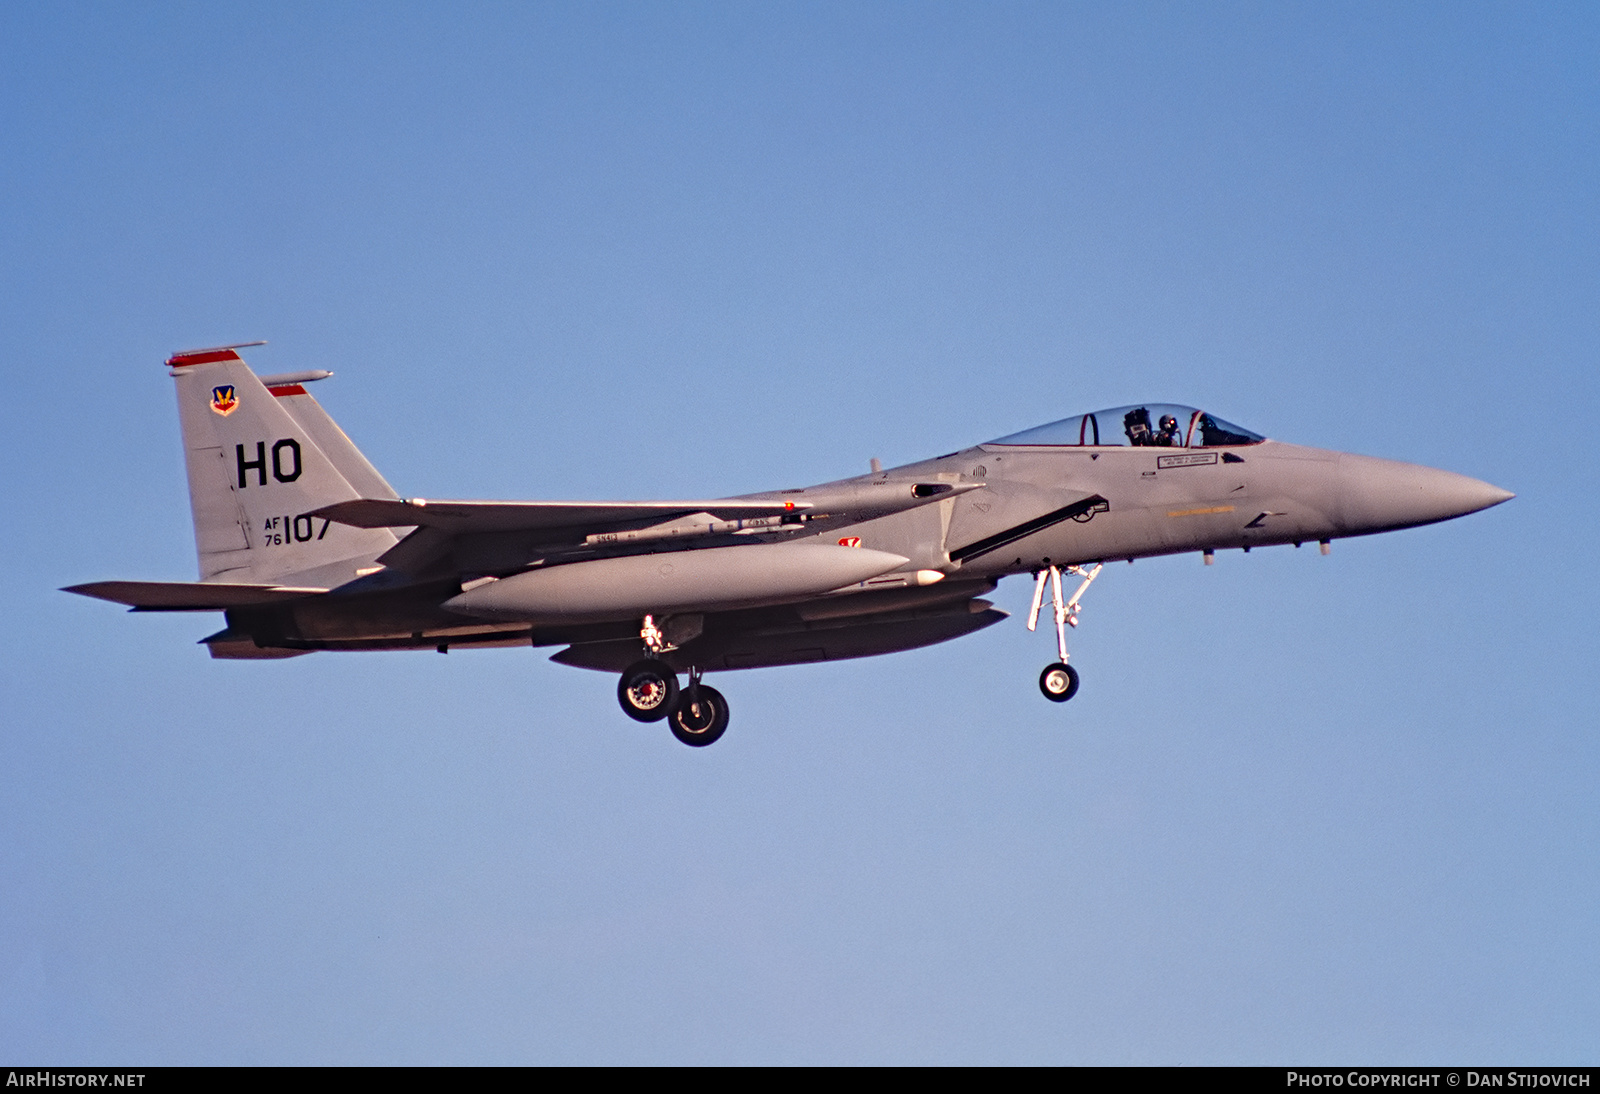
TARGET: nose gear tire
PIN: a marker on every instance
(1059, 682)
(647, 690)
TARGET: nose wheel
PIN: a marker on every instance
(1059, 682)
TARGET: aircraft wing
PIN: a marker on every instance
(188, 596)
(476, 517)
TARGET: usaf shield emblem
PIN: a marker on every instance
(223, 400)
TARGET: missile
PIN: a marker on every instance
(867, 498)
(854, 500)
(716, 578)
(699, 524)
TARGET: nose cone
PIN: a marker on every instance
(1380, 495)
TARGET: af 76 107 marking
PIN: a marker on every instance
(301, 528)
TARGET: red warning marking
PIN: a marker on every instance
(287, 389)
(182, 359)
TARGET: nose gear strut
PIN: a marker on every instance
(1059, 681)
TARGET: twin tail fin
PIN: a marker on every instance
(262, 457)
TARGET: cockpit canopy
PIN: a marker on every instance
(1152, 425)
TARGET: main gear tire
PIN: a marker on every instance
(648, 690)
(1059, 682)
(699, 716)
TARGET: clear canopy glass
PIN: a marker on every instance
(1149, 425)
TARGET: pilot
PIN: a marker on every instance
(1136, 424)
(1169, 437)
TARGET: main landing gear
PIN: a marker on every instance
(1059, 682)
(648, 691)
(700, 715)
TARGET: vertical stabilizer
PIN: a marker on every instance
(256, 472)
(344, 455)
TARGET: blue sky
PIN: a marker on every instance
(1304, 809)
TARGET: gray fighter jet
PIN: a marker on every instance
(303, 545)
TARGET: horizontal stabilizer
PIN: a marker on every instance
(473, 517)
(188, 596)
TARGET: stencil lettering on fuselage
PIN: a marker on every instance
(1188, 459)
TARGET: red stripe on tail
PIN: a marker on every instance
(182, 359)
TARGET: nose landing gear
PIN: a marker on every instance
(1059, 682)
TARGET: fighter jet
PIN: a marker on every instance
(303, 546)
